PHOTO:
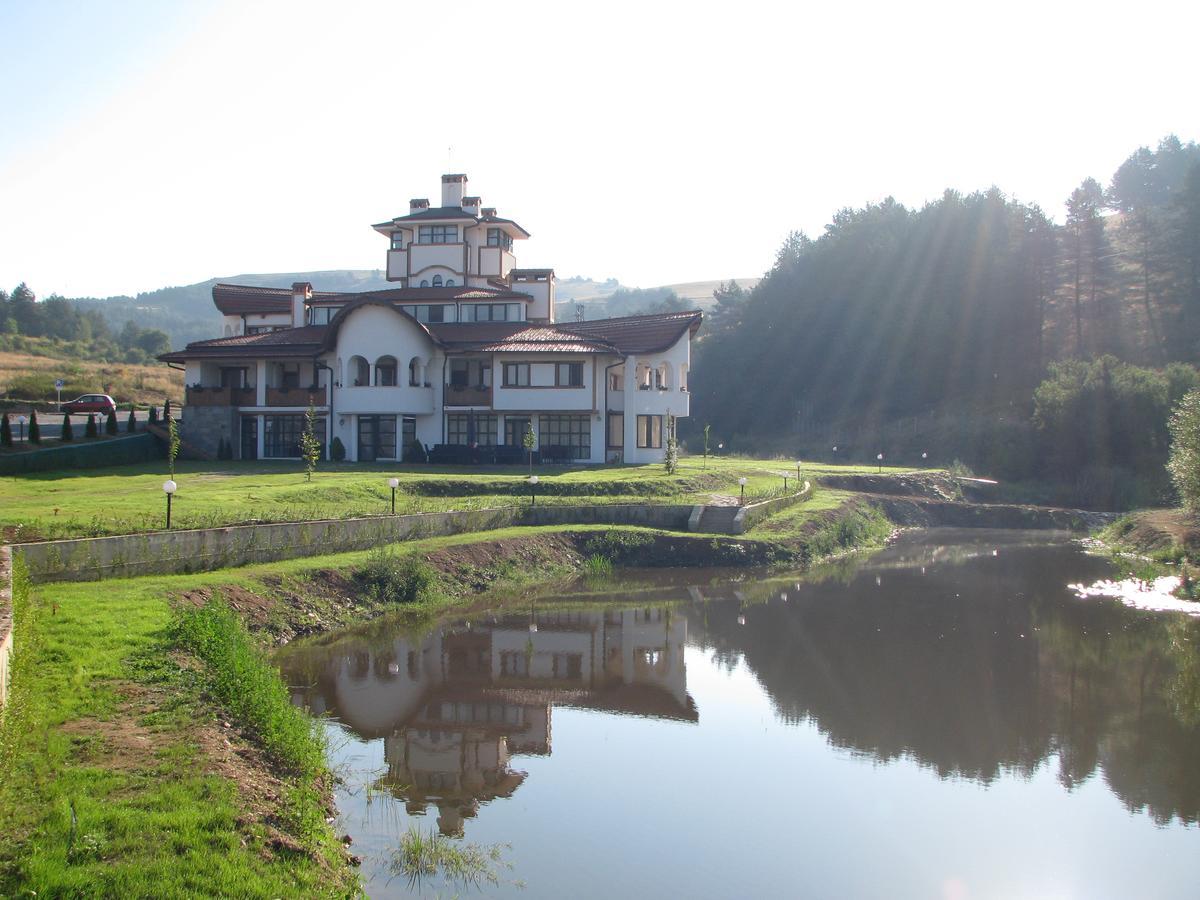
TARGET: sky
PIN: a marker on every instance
(147, 144)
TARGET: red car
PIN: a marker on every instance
(90, 403)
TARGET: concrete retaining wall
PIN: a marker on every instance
(751, 515)
(6, 621)
(671, 518)
(86, 454)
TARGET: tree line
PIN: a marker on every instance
(82, 333)
(960, 307)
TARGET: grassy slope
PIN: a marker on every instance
(130, 499)
(104, 787)
(31, 377)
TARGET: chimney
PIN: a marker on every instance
(489, 212)
(301, 291)
(418, 205)
(471, 205)
(453, 188)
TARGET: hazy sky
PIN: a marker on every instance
(153, 143)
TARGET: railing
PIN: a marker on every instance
(465, 395)
(219, 396)
(297, 396)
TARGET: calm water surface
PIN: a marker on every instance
(942, 719)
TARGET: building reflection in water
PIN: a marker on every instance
(455, 706)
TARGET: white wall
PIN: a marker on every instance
(654, 402)
(422, 256)
(543, 395)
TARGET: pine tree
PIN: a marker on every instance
(166, 410)
(68, 433)
(91, 430)
(310, 446)
(6, 439)
(35, 430)
(152, 418)
(131, 422)
(110, 424)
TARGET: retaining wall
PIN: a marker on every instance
(6, 621)
(86, 454)
(749, 516)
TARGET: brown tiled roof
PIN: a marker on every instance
(242, 299)
(638, 334)
(285, 342)
(432, 294)
(442, 213)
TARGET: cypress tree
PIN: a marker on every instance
(152, 419)
(167, 411)
(131, 423)
(68, 433)
(35, 431)
(5, 432)
(90, 429)
(110, 424)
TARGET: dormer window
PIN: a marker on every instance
(437, 234)
(437, 280)
(498, 237)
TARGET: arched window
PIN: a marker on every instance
(424, 282)
(449, 282)
(683, 374)
(642, 377)
(437, 280)
(414, 371)
(360, 371)
(660, 377)
(385, 371)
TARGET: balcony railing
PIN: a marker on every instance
(219, 396)
(297, 396)
(468, 395)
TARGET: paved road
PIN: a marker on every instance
(51, 423)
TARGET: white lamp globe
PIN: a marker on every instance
(169, 486)
(393, 483)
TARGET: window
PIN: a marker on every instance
(437, 280)
(514, 430)
(424, 282)
(571, 435)
(516, 374)
(616, 431)
(492, 312)
(414, 372)
(616, 381)
(265, 329)
(459, 373)
(498, 237)
(568, 375)
(385, 371)
(449, 282)
(660, 377)
(289, 376)
(281, 435)
(649, 432)
(465, 429)
(397, 240)
(437, 234)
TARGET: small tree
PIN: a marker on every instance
(529, 441)
(671, 461)
(172, 445)
(110, 424)
(131, 422)
(91, 429)
(1184, 463)
(166, 410)
(35, 430)
(68, 433)
(337, 450)
(152, 416)
(707, 429)
(221, 448)
(5, 432)
(310, 445)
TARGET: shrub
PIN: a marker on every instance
(110, 424)
(388, 577)
(337, 450)
(1184, 462)
(35, 430)
(91, 429)
(415, 452)
(131, 422)
(6, 439)
(68, 433)
(220, 448)
(152, 417)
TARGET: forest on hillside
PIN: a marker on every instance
(900, 328)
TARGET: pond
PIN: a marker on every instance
(944, 718)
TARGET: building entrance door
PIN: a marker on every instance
(249, 437)
(376, 438)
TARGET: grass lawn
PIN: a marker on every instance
(129, 499)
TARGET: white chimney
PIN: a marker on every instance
(453, 189)
(301, 292)
(471, 205)
(417, 205)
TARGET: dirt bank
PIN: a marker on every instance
(1164, 532)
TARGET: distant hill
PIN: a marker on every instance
(186, 312)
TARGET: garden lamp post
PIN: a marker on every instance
(393, 483)
(799, 483)
(742, 483)
(879, 459)
(720, 447)
(169, 487)
(533, 480)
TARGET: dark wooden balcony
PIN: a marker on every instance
(219, 396)
(468, 395)
(297, 396)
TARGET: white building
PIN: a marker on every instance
(461, 357)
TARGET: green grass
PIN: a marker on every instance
(87, 812)
(129, 499)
